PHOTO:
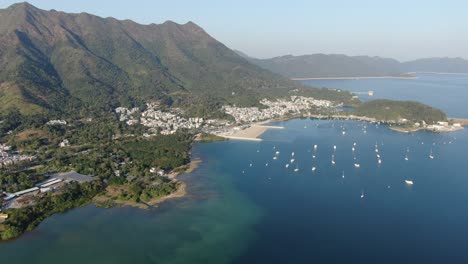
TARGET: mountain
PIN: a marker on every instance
(336, 65)
(446, 65)
(59, 62)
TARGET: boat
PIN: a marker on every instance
(357, 165)
(376, 150)
(296, 169)
(286, 166)
(277, 152)
(305, 126)
(378, 156)
(362, 194)
(409, 182)
(250, 165)
(314, 168)
(430, 155)
(292, 160)
(292, 154)
(315, 146)
(313, 156)
(275, 158)
(342, 176)
(343, 132)
(266, 164)
(379, 161)
(353, 149)
(333, 162)
(406, 157)
(354, 144)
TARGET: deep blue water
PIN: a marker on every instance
(237, 213)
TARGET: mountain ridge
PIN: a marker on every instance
(55, 60)
(339, 65)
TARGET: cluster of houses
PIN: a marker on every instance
(130, 116)
(7, 158)
(443, 126)
(56, 122)
(275, 109)
(166, 122)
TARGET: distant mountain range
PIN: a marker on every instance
(335, 65)
(53, 61)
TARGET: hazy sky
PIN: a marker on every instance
(399, 29)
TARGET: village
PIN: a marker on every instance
(8, 158)
(163, 122)
(276, 109)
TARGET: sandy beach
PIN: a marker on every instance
(250, 133)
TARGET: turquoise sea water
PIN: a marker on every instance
(237, 213)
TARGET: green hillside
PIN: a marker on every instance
(60, 63)
(395, 110)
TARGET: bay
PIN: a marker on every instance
(237, 213)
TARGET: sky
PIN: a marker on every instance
(403, 30)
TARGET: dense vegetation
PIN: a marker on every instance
(84, 65)
(396, 110)
(114, 153)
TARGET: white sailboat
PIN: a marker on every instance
(357, 165)
(334, 147)
(266, 164)
(292, 154)
(406, 157)
(342, 176)
(409, 182)
(296, 169)
(315, 147)
(314, 168)
(277, 152)
(431, 156)
(275, 157)
(292, 160)
(286, 166)
(362, 194)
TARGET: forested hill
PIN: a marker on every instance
(53, 61)
(323, 65)
(383, 109)
(337, 65)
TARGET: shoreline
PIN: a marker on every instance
(109, 201)
(255, 130)
(251, 133)
(354, 78)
